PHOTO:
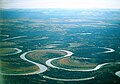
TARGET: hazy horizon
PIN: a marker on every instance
(63, 4)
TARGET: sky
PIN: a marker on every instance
(74, 4)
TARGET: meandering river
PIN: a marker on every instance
(48, 62)
(43, 68)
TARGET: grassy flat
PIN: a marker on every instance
(72, 63)
(20, 67)
(41, 56)
(7, 51)
(5, 44)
